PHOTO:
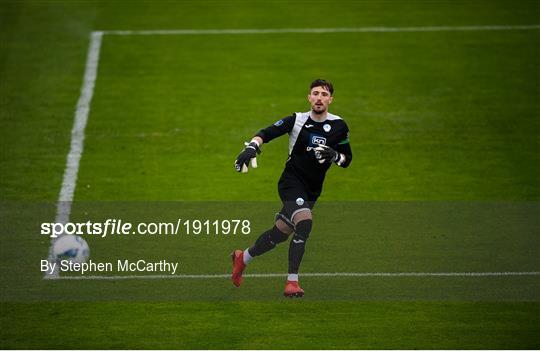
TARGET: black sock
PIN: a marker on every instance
(267, 241)
(298, 245)
(296, 252)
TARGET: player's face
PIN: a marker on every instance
(319, 98)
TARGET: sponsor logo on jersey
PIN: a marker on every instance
(308, 125)
(316, 140)
(278, 123)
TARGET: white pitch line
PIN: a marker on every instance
(69, 181)
(320, 30)
(279, 275)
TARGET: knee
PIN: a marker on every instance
(303, 228)
(284, 227)
(277, 236)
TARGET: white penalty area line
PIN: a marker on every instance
(317, 275)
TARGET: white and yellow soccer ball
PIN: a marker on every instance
(72, 248)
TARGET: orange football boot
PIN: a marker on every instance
(238, 267)
(292, 289)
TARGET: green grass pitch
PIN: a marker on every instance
(445, 177)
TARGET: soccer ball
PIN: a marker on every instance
(72, 248)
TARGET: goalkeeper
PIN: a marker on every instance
(317, 139)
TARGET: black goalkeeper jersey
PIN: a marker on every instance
(304, 135)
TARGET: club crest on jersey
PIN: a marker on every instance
(327, 127)
(316, 140)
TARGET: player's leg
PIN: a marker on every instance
(288, 189)
(266, 242)
(303, 222)
(269, 239)
(297, 203)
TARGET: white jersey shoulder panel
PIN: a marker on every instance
(301, 118)
(332, 117)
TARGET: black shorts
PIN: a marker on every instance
(295, 196)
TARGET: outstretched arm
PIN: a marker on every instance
(282, 126)
(249, 154)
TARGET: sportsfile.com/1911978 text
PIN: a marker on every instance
(120, 227)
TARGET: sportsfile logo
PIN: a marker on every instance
(122, 227)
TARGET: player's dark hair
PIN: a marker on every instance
(322, 83)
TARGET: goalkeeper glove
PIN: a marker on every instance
(249, 154)
(325, 153)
